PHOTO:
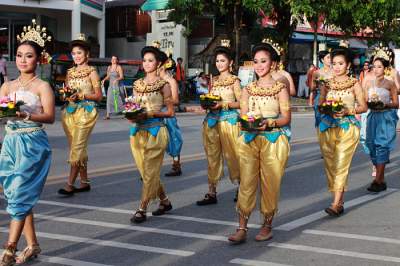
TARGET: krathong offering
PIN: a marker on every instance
(331, 106)
(209, 100)
(250, 121)
(132, 108)
(9, 107)
(375, 103)
(66, 93)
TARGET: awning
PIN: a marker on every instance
(150, 5)
(304, 37)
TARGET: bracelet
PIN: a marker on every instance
(351, 112)
(28, 116)
(225, 106)
(150, 114)
(271, 123)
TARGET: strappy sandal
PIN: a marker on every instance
(239, 237)
(28, 254)
(84, 188)
(208, 199)
(162, 208)
(64, 192)
(264, 237)
(8, 257)
(335, 210)
(139, 216)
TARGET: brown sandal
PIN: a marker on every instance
(238, 237)
(139, 216)
(28, 254)
(264, 237)
(8, 257)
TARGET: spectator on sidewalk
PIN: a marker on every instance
(3, 70)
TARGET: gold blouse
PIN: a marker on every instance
(80, 80)
(150, 96)
(342, 90)
(265, 101)
(225, 88)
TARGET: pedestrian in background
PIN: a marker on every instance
(115, 92)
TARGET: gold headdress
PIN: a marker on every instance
(34, 33)
(344, 43)
(156, 44)
(274, 45)
(382, 52)
(81, 37)
(226, 43)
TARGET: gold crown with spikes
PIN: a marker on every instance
(382, 52)
(226, 43)
(156, 44)
(274, 45)
(81, 37)
(34, 33)
(344, 43)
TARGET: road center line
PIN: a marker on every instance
(353, 236)
(255, 263)
(128, 227)
(321, 214)
(64, 261)
(359, 255)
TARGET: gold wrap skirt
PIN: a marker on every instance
(221, 142)
(338, 147)
(148, 152)
(262, 164)
(78, 126)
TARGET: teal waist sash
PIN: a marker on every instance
(152, 125)
(213, 117)
(271, 135)
(328, 121)
(86, 104)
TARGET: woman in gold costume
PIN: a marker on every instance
(149, 136)
(263, 153)
(340, 131)
(220, 127)
(80, 115)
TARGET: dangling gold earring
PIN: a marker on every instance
(230, 68)
(158, 71)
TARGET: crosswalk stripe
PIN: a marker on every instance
(107, 243)
(255, 263)
(359, 255)
(128, 227)
(64, 261)
(321, 214)
(354, 236)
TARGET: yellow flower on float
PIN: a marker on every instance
(11, 105)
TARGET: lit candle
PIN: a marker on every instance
(15, 97)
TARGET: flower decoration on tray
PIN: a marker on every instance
(209, 100)
(9, 107)
(375, 103)
(321, 81)
(331, 106)
(250, 121)
(66, 92)
(132, 108)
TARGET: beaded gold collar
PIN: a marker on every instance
(74, 73)
(256, 90)
(218, 82)
(334, 84)
(142, 87)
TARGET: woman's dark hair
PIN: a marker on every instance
(38, 49)
(322, 54)
(225, 51)
(384, 62)
(267, 48)
(84, 45)
(164, 58)
(342, 51)
(155, 51)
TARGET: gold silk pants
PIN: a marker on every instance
(221, 142)
(338, 147)
(78, 126)
(262, 164)
(148, 152)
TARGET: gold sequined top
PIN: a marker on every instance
(150, 95)
(226, 89)
(80, 80)
(343, 90)
(264, 101)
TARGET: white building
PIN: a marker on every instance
(63, 18)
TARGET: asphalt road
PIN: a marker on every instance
(93, 228)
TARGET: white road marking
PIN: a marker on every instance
(64, 261)
(359, 255)
(128, 227)
(354, 236)
(106, 243)
(255, 263)
(321, 214)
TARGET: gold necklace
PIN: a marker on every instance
(23, 85)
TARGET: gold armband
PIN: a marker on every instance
(285, 106)
(150, 114)
(167, 100)
(225, 106)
